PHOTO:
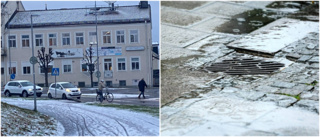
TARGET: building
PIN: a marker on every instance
(124, 44)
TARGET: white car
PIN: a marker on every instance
(23, 88)
(64, 90)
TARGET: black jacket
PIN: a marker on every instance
(141, 85)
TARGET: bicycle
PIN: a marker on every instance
(107, 96)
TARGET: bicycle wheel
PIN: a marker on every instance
(109, 97)
(99, 99)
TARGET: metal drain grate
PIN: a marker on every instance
(245, 67)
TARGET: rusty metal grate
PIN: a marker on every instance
(245, 67)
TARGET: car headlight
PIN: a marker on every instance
(68, 90)
(30, 89)
(41, 88)
(79, 89)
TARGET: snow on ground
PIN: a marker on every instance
(79, 119)
(276, 35)
(228, 115)
(116, 95)
(16, 122)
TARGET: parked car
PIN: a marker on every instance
(23, 88)
(64, 90)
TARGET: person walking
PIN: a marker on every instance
(142, 84)
(101, 86)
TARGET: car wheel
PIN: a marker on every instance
(39, 95)
(78, 97)
(24, 94)
(64, 96)
(49, 95)
(7, 93)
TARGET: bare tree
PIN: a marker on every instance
(44, 60)
(89, 62)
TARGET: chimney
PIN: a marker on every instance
(143, 4)
(46, 7)
(112, 6)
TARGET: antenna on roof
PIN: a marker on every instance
(111, 4)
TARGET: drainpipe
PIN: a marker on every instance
(149, 59)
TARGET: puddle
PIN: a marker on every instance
(247, 22)
(306, 8)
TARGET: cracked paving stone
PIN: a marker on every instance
(306, 52)
(304, 58)
(281, 84)
(268, 89)
(309, 96)
(314, 60)
(313, 66)
(281, 100)
(296, 90)
(308, 104)
(311, 46)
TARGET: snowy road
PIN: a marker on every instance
(79, 119)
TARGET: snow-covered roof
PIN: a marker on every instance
(78, 16)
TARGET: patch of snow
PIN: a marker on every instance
(280, 34)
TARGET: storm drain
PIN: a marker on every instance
(245, 67)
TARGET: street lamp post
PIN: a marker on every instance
(95, 6)
(33, 62)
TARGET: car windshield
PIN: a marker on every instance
(25, 84)
(68, 85)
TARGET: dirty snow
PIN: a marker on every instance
(79, 119)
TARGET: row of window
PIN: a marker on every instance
(79, 38)
(67, 67)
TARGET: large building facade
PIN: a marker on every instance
(124, 44)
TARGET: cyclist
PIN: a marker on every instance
(101, 86)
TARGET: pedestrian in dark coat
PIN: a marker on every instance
(142, 84)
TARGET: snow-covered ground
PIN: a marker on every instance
(276, 35)
(228, 115)
(79, 119)
(16, 121)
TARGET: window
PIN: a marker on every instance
(106, 37)
(122, 83)
(134, 36)
(65, 38)
(12, 41)
(84, 67)
(120, 36)
(52, 39)
(92, 37)
(107, 64)
(135, 65)
(25, 41)
(39, 40)
(121, 64)
(49, 70)
(2, 70)
(66, 68)
(79, 39)
(26, 70)
(13, 70)
(109, 83)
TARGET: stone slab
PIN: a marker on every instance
(267, 89)
(281, 84)
(308, 104)
(314, 60)
(304, 58)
